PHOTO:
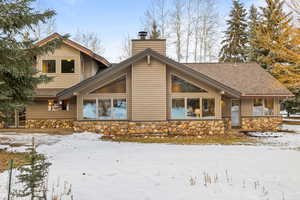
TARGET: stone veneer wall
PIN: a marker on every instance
(262, 123)
(207, 127)
(50, 123)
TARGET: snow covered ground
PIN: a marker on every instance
(129, 171)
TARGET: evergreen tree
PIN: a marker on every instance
(33, 177)
(18, 53)
(253, 50)
(234, 47)
(273, 20)
(155, 34)
(283, 47)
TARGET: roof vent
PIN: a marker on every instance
(143, 35)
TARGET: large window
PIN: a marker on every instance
(190, 108)
(263, 107)
(117, 86)
(208, 108)
(193, 108)
(67, 66)
(89, 109)
(180, 85)
(119, 109)
(105, 109)
(48, 66)
(178, 109)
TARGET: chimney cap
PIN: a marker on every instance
(143, 35)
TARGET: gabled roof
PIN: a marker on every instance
(248, 78)
(75, 45)
(148, 52)
(236, 80)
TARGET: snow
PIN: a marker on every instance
(129, 171)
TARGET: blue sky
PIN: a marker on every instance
(111, 19)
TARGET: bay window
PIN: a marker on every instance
(262, 107)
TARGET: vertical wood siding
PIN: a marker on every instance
(149, 91)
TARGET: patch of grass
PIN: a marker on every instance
(20, 159)
(291, 122)
(183, 140)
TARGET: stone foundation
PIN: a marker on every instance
(261, 123)
(207, 127)
(49, 123)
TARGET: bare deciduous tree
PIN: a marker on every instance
(189, 16)
(177, 27)
(158, 11)
(126, 48)
(206, 30)
(90, 40)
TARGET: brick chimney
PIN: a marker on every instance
(158, 45)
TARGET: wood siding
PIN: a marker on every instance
(149, 91)
(39, 110)
(156, 45)
(61, 80)
(247, 107)
(89, 67)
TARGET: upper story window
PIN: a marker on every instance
(180, 85)
(263, 107)
(67, 66)
(117, 86)
(49, 66)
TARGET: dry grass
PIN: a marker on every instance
(20, 159)
(54, 131)
(291, 122)
(184, 140)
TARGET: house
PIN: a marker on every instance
(150, 92)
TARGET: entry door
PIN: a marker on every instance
(235, 112)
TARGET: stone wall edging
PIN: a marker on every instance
(262, 123)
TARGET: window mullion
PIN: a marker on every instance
(97, 109)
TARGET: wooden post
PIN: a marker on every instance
(16, 118)
(11, 162)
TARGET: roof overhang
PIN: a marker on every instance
(148, 52)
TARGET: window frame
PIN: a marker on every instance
(61, 65)
(111, 99)
(205, 91)
(56, 106)
(55, 65)
(185, 108)
(263, 113)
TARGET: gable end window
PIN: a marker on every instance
(117, 86)
(48, 66)
(68, 66)
(180, 85)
